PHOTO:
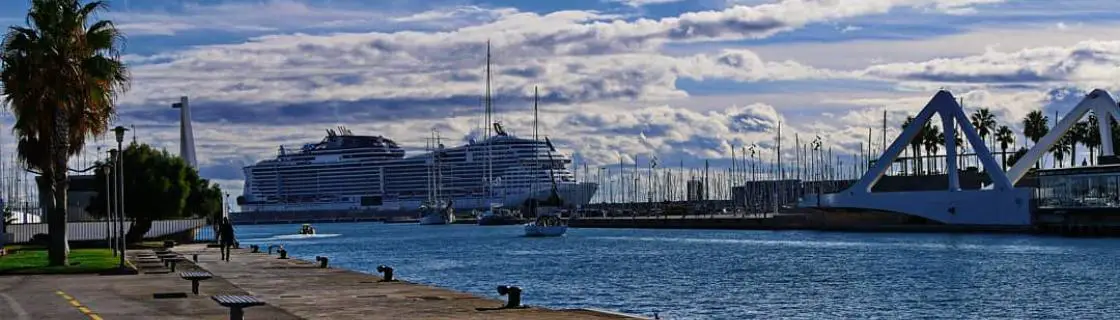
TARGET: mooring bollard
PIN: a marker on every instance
(514, 294)
(283, 253)
(387, 271)
(194, 257)
(322, 261)
(255, 248)
(274, 246)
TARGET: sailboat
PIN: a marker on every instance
(436, 210)
(548, 222)
(495, 215)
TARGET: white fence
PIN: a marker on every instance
(97, 230)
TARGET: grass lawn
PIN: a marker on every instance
(34, 261)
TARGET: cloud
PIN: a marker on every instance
(292, 15)
(642, 3)
(1088, 63)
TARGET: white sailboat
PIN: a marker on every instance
(548, 222)
(436, 210)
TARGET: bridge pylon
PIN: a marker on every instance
(1001, 204)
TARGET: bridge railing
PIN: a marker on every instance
(97, 230)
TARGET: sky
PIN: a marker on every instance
(687, 81)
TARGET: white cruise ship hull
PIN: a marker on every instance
(575, 194)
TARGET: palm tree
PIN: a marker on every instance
(1076, 134)
(915, 146)
(1006, 138)
(1092, 138)
(61, 76)
(1060, 149)
(985, 122)
(933, 139)
(1035, 127)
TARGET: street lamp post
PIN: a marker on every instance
(119, 131)
(110, 194)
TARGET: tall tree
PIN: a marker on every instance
(158, 185)
(1076, 134)
(1035, 127)
(61, 76)
(915, 146)
(985, 122)
(932, 141)
(1092, 137)
(1059, 150)
(1006, 138)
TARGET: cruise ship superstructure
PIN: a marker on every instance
(351, 172)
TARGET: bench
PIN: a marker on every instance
(171, 262)
(195, 277)
(236, 303)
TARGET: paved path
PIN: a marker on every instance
(304, 289)
(117, 297)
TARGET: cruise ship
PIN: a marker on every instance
(347, 172)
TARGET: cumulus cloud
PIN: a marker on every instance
(1092, 63)
(641, 3)
(292, 15)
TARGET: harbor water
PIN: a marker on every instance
(706, 274)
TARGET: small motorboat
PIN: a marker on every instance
(307, 229)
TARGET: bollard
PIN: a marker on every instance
(387, 271)
(255, 248)
(322, 261)
(514, 294)
(195, 257)
(283, 253)
(274, 246)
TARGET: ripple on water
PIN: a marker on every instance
(705, 274)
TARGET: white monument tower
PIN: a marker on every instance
(186, 134)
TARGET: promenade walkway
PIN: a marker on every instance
(294, 289)
(304, 289)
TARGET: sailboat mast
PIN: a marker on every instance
(536, 140)
(489, 124)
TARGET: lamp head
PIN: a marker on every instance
(119, 131)
(112, 153)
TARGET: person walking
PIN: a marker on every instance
(225, 238)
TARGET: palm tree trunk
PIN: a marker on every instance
(59, 246)
(1073, 154)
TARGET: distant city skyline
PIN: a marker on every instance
(685, 80)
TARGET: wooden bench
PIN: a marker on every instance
(195, 277)
(236, 303)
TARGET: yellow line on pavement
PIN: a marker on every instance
(74, 302)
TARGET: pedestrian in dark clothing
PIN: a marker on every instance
(225, 238)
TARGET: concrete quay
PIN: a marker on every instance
(293, 289)
(307, 291)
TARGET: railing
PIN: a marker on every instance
(97, 230)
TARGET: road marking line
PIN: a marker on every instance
(74, 302)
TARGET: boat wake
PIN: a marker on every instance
(295, 237)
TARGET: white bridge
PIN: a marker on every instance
(997, 204)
